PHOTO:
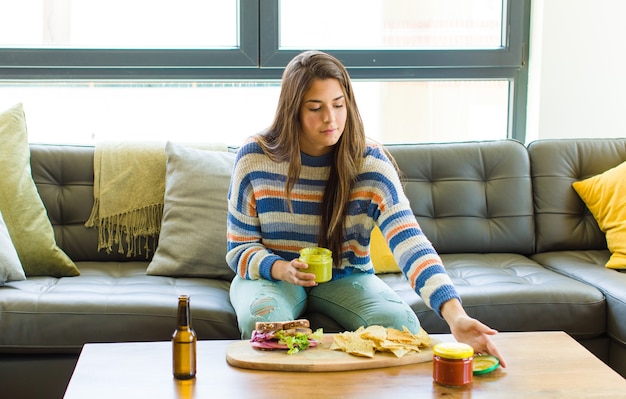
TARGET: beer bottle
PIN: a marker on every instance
(184, 342)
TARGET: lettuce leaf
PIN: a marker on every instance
(298, 342)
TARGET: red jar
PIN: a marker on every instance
(453, 364)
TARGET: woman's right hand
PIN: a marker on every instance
(293, 272)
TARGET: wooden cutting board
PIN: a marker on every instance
(320, 358)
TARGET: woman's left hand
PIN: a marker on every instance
(469, 330)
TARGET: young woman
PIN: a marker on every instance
(312, 179)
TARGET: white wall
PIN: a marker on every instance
(577, 69)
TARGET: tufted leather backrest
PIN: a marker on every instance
(563, 221)
(471, 196)
(64, 178)
(468, 197)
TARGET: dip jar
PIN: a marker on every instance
(453, 364)
(320, 261)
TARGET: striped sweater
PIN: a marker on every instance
(261, 229)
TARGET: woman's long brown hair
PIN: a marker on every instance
(281, 141)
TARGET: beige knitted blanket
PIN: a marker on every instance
(128, 190)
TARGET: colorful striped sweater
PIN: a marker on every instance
(261, 229)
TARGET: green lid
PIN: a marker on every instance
(484, 364)
(316, 254)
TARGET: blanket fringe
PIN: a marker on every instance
(130, 228)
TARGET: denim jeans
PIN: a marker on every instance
(360, 299)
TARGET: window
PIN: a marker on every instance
(119, 24)
(392, 24)
(423, 70)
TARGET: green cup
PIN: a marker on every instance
(320, 261)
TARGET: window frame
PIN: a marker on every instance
(259, 57)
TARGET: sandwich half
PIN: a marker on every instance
(293, 336)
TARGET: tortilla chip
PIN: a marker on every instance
(423, 337)
(361, 347)
(375, 333)
(366, 341)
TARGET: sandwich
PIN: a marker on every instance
(294, 336)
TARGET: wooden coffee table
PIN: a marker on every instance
(540, 365)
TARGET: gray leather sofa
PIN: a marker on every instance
(520, 245)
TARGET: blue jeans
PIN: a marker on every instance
(360, 299)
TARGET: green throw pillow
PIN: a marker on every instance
(23, 211)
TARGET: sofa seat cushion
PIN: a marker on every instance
(510, 292)
(589, 267)
(108, 302)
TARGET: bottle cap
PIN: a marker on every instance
(453, 350)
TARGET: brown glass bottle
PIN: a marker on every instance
(184, 342)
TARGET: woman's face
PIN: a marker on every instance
(323, 117)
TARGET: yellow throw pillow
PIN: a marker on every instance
(21, 206)
(605, 196)
(381, 255)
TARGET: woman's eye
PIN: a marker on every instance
(339, 106)
(315, 109)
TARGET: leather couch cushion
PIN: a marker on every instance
(562, 218)
(470, 197)
(510, 292)
(108, 302)
(588, 267)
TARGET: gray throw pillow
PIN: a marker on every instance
(192, 241)
(10, 266)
